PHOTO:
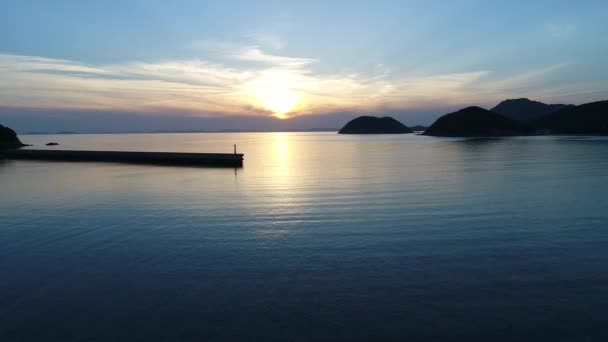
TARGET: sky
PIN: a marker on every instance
(104, 66)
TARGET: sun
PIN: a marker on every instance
(273, 92)
(279, 100)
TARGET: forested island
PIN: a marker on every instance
(374, 125)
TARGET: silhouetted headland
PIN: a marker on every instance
(9, 138)
(374, 125)
(475, 122)
(523, 117)
(589, 118)
(525, 110)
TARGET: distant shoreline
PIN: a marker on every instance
(184, 132)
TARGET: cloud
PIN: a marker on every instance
(41, 64)
(253, 53)
(268, 40)
(560, 31)
(527, 77)
(248, 81)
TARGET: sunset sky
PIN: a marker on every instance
(148, 65)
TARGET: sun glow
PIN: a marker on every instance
(275, 95)
(279, 101)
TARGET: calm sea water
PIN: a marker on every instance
(318, 237)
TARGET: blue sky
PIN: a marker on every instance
(180, 64)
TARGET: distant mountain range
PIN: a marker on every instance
(58, 132)
(418, 128)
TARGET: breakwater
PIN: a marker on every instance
(159, 158)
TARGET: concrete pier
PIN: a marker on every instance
(158, 158)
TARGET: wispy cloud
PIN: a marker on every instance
(255, 54)
(560, 31)
(267, 40)
(250, 81)
(17, 63)
(527, 77)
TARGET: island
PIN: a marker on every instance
(513, 117)
(374, 125)
(476, 122)
(9, 138)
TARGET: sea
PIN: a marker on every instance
(318, 237)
